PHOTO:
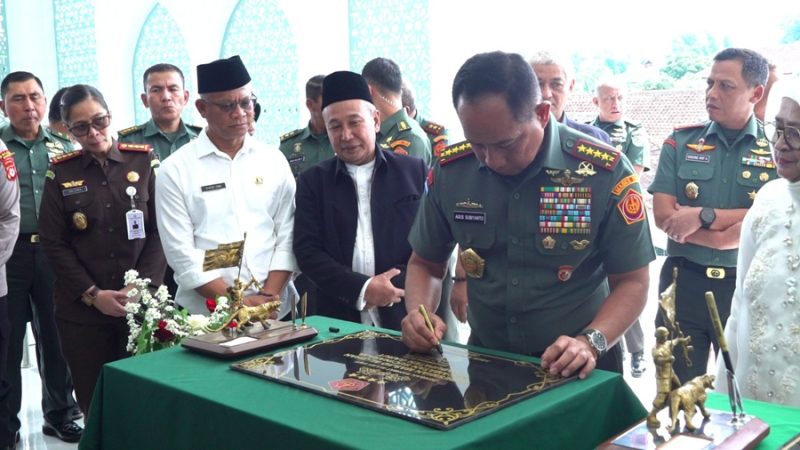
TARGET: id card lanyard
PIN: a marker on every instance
(134, 218)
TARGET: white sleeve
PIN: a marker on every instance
(177, 230)
(283, 255)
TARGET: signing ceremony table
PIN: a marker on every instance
(178, 399)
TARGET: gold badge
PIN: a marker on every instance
(586, 169)
(549, 243)
(746, 174)
(579, 245)
(473, 264)
(468, 204)
(72, 184)
(297, 146)
(259, 181)
(752, 195)
(567, 179)
(764, 176)
(759, 152)
(692, 190)
(132, 176)
(80, 221)
(762, 142)
(565, 273)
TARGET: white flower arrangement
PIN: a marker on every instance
(154, 322)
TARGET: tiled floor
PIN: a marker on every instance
(31, 414)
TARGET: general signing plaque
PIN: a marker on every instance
(376, 370)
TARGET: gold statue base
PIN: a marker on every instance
(229, 343)
(716, 432)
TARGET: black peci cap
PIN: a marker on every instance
(344, 85)
(222, 75)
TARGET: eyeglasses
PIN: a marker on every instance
(246, 104)
(98, 123)
(791, 135)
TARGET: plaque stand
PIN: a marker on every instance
(227, 344)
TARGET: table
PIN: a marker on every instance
(178, 399)
(784, 421)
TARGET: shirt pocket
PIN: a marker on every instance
(699, 174)
(81, 215)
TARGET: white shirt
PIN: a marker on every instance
(204, 198)
(364, 250)
(763, 330)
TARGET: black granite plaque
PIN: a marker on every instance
(376, 370)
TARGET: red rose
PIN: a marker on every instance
(211, 304)
(162, 334)
(232, 324)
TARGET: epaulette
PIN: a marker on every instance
(59, 135)
(595, 153)
(433, 128)
(403, 126)
(454, 152)
(291, 134)
(130, 130)
(399, 143)
(65, 157)
(686, 127)
(128, 147)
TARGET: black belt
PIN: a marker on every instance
(33, 238)
(713, 272)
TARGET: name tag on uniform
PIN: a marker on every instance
(212, 187)
(74, 190)
(135, 222)
(470, 217)
(698, 157)
(297, 159)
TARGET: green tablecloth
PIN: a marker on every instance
(175, 399)
(783, 421)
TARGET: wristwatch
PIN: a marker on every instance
(597, 340)
(707, 217)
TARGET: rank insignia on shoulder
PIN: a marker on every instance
(58, 159)
(291, 134)
(433, 128)
(631, 207)
(130, 130)
(128, 147)
(701, 146)
(454, 152)
(403, 126)
(605, 157)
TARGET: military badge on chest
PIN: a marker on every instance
(564, 209)
(468, 211)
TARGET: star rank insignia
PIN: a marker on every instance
(601, 155)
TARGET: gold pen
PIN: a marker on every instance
(424, 313)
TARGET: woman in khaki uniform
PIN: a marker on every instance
(97, 221)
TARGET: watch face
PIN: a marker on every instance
(598, 340)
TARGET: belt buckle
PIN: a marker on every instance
(34, 239)
(716, 273)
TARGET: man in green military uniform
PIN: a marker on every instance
(30, 278)
(307, 146)
(437, 134)
(708, 175)
(399, 133)
(631, 140)
(627, 137)
(165, 96)
(552, 226)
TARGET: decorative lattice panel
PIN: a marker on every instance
(76, 48)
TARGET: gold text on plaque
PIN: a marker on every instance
(473, 263)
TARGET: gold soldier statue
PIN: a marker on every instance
(666, 380)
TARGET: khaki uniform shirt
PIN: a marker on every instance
(163, 146)
(84, 230)
(547, 238)
(304, 149)
(699, 168)
(32, 161)
(401, 134)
